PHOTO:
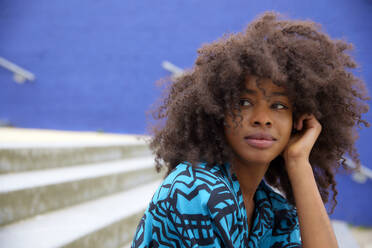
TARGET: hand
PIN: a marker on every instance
(301, 143)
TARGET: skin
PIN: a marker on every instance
(266, 108)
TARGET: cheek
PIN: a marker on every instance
(286, 125)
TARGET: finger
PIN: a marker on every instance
(311, 124)
(310, 137)
(300, 121)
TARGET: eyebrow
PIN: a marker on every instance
(275, 93)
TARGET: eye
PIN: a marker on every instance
(244, 102)
(279, 106)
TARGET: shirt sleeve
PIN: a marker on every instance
(197, 211)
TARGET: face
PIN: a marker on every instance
(266, 125)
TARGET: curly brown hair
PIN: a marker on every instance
(295, 54)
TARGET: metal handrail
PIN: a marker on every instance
(20, 74)
(175, 70)
(362, 174)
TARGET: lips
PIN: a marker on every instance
(260, 140)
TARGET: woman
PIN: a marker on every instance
(251, 137)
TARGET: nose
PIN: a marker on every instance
(261, 117)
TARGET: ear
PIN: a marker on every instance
(294, 130)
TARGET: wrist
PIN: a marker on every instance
(295, 165)
(293, 161)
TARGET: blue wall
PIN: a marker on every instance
(96, 61)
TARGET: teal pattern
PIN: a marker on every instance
(199, 206)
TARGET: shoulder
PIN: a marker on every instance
(188, 184)
(191, 208)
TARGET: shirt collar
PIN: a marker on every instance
(263, 215)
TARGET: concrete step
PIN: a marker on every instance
(363, 235)
(17, 135)
(344, 235)
(26, 194)
(33, 156)
(106, 222)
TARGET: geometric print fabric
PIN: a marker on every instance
(202, 206)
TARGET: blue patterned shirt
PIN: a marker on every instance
(203, 207)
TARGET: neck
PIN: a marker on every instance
(249, 177)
